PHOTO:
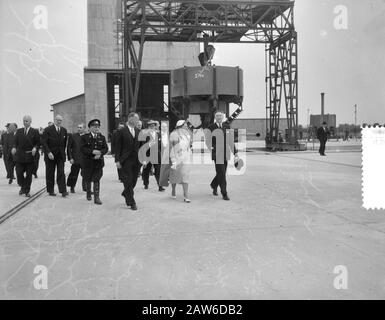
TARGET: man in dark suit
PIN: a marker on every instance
(221, 144)
(54, 142)
(322, 136)
(25, 146)
(126, 158)
(113, 146)
(153, 154)
(93, 146)
(7, 141)
(75, 157)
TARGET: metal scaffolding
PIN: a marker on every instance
(216, 21)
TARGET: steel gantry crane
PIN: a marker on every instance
(220, 21)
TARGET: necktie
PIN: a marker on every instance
(25, 131)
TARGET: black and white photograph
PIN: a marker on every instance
(190, 150)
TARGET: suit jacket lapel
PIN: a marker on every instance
(129, 132)
(28, 133)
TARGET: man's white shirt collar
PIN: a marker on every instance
(132, 130)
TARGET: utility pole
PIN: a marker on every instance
(322, 107)
(308, 124)
(355, 122)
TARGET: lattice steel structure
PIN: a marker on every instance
(222, 21)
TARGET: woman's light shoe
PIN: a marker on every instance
(187, 200)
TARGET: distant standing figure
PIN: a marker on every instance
(7, 140)
(54, 143)
(322, 135)
(180, 156)
(25, 146)
(280, 138)
(75, 157)
(93, 148)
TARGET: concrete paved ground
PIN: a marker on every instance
(291, 220)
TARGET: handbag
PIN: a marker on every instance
(164, 174)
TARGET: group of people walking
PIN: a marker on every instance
(133, 149)
(84, 151)
(169, 154)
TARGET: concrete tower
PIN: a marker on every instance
(101, 76)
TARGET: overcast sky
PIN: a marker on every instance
(41, 67)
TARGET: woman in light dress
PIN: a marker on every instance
(180, 156)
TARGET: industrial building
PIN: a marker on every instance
(330, 119)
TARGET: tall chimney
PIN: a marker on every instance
(322, 107)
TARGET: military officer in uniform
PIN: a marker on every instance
(93, 148)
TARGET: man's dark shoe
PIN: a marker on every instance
(134, 207)
(28, 195)
(64, 194)
(145, 186)
(161, 189)
(52, 194)
(21, 192)
(215, 192)
(10, 181)
(72, 190)
(226, 197)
